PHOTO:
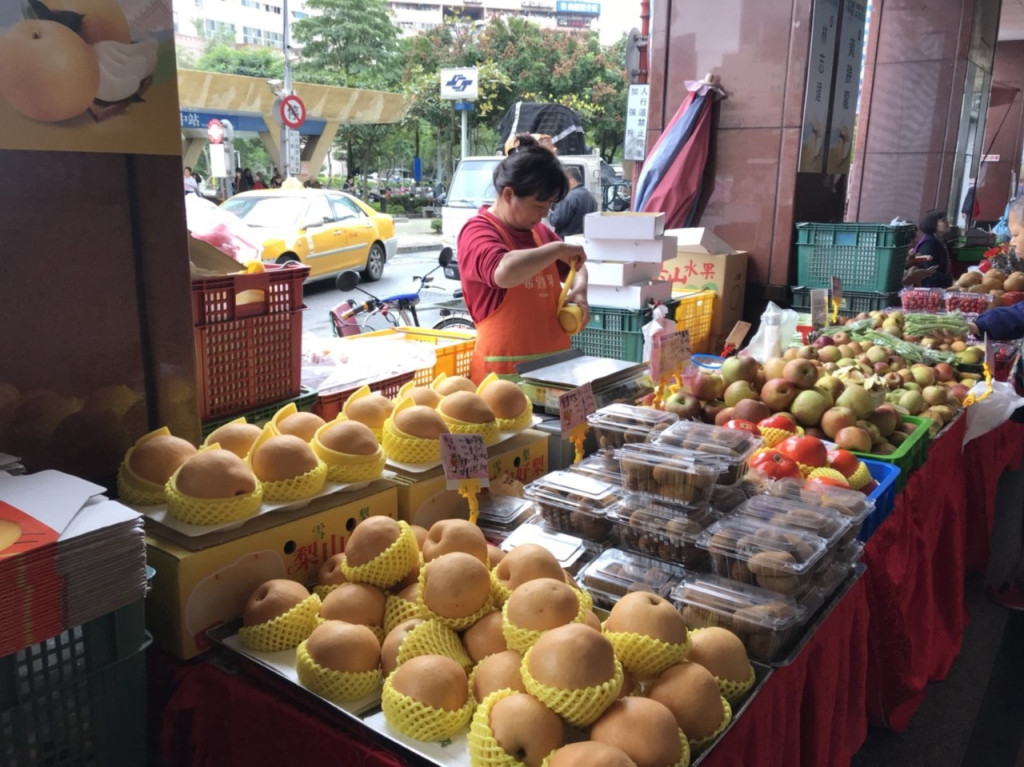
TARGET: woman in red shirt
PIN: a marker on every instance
(512, 265)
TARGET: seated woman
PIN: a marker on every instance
(930, 250)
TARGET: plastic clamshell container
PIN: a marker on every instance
(574, 503)
(852, 504)
(567, 549)
(615, 573)
(602, 466)
(501, 514)
(850, 553)
(766, 621)
(726, 498)
(828, 579)
(731, 447)
(761, 554)
(662, 530)
(828, 524)
(618, 424)
(668, 474)
(959, 301)
(923, 300)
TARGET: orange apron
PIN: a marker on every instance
(523, 327)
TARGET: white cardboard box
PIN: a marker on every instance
(629, 296)
(621, 273)
(646, 251)
(699, 239)
(624, 226)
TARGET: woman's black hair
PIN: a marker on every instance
(531, 169)
(930, 221)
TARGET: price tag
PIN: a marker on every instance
(573, 408)
(669, 352)
(463, 456)
(738, 334)
(837, 289)
(819, 308)
(990, 355)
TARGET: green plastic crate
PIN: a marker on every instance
(867, 257)
(971, 255)
(78, 698)
(911, 454)
(260, 415)
(854, 302)
(616, 333)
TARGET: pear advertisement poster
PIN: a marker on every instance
(88, 76)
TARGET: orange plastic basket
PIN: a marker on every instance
(454, 349)
(694, 313)
(329, 405)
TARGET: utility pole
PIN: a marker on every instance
(287, 171)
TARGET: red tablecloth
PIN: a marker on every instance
(897, 629)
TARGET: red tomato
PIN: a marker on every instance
(843, 461)
(809, 451)
(778, 421)
(830, 481)
(774, 464)
(870, 487)
(740, 425)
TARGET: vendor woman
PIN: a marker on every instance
(512, 266)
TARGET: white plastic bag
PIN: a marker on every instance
(992, 412)
(222, 229)
(659, 325)
(776, 324)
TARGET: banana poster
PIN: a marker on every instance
(88, 76)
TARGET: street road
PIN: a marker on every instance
(321, 296)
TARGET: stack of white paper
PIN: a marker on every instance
(625, 252)
(67, 555)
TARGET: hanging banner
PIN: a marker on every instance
(89, 76)
(847, 88)
(820, 63)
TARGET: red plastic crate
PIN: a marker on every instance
(236, 296)
(245, 363)
(329, 405)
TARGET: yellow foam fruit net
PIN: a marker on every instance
(378, 631)
(733, 691)
(391, 565)
(499, 591)
(297, 488)
(459, 623)
(404, 448)
(285, 631)
(489, 430)
(210, 511)
(771, 436)
(398, 610)
(522, 421)
(580, 707)
(133, 489)
(323, 589)
(415, 720)
(281, 414)
(433, 638)
(860, 477)
(825, 473)
(520, 639)
(484, 749)
(336, 686)
(646, 656)
(698, 745)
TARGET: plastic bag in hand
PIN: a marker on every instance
(222, 229)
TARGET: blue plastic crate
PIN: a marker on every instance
(884, 496)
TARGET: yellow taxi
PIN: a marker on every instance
(325, 229)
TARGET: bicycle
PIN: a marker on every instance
(351, 318)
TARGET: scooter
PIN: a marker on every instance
(351, 317)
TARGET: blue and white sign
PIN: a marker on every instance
(572, 6)
(460, 84)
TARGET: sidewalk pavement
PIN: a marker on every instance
(415, 234)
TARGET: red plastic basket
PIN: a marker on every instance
(329, 405)
(247, 363)
(236, 296)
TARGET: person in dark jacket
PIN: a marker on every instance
(931, 251)
(566, 217)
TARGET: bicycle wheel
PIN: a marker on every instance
(455, 323)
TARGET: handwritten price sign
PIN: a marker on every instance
(463, 456)
(668, 354)
(573, 408)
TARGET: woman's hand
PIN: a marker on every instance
(573, 255)
(915, 275)
(578, 293)
(974, 329)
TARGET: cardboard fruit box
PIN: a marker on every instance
(623, 226)
(204, 581)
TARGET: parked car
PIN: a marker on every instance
(327, 230)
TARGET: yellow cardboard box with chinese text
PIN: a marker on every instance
(195, 590)
(425, 498)
(724, 274)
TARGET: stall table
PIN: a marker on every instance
(898, 628)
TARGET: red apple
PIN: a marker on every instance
(853, 438)
(739, 368)
(684, 405)
(710, 410)
(801, 373)
(836, 418)
(808, 407)
(707, 386)
(751, 410)
(725, 414)
(737, 391)
(773, 367)
(778, 394)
